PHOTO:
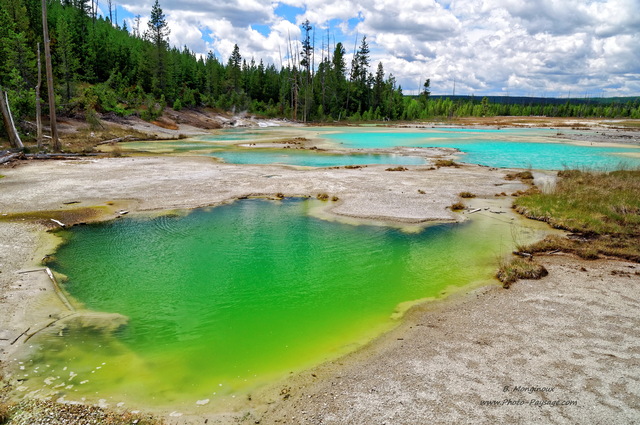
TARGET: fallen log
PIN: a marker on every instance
(523, 254)
(58, 290)
(9, 157)
(116, 140)
(42, 269)
(60, 155)
(23, 333)
(47, 325)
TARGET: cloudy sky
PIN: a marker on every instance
(559, 48)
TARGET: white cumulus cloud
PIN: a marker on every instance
(520, 47)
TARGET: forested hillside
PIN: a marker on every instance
(100, 68)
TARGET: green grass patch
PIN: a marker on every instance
(589, 203)
(602, 210)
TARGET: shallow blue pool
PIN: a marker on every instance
(517, 148)
(497, 148)
(311, 158)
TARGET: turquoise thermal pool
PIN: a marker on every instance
(517, 148)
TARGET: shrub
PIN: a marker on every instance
(522, 175)
(519, 268)
(457, 206)
(446, 163)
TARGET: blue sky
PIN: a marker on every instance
(586, 48)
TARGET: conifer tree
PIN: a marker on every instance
(378, 87)
(234, 70)
(158, 33)
(68, 63)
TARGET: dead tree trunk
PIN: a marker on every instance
(39, 103)
(52, 97)
(7, 119)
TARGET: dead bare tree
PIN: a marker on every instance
(14, 137)
(136, 26)
(294, 82)
(39, 103)
(52, 99)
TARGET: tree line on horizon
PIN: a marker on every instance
(103, 68)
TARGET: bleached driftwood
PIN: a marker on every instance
(9, 157)
(116, 140)
(7, 118)
(523, 254)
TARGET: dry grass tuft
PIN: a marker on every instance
(588, 248)
(5, 412)
(526, 176)
(519, 268)
(446, 163)
(531, 191)
(467, 195)
(457, 206)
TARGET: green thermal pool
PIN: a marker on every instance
(223, 300)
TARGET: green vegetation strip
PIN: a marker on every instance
(589, 203)
(602, 210)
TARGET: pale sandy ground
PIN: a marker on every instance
(575, 331)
